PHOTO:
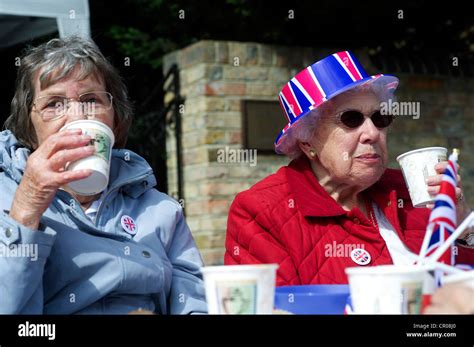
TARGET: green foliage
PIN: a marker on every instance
(141, 46)
(148, 29)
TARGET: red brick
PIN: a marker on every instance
(234, 137)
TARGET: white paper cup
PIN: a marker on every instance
(240, 289)
(464, 278)
(99, 162)
(388, 289)
(416, 166)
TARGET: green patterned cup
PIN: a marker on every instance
(99, 162)
(240, 289)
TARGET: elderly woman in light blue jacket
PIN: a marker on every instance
(124, 249)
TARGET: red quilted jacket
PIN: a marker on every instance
(289, 219)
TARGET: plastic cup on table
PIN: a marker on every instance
(464, 278)
(240, 289)
(389, 289)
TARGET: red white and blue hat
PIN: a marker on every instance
(320, 82)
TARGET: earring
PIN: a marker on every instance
(312, 153)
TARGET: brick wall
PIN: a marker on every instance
(447, 120)
(216, 76)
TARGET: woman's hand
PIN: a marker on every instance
(434, 185)
(44, 174)
(434, 182)
(452, 299)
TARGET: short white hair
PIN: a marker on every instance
(306, 127)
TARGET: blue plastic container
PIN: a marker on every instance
(312, 299)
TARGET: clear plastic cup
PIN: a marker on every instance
(464, 278)
(389, 289)
(240, 289)
(99, 162)
(416, 166)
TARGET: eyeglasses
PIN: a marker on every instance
(354, 119)
(52, 107)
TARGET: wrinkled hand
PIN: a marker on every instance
(434, 182)
(44, 174)
(434, 185)
(452, 299)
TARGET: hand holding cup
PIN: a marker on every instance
(45, 173)
(434, 182)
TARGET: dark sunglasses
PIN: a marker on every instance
(354, 119)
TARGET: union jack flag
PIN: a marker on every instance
(129, 223)
(442, 222)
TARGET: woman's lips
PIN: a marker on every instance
(369, 158)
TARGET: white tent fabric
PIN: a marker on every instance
(21, 20)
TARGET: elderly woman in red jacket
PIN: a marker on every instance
(336, 205)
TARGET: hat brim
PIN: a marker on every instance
(388, 80)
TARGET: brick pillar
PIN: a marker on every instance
(215, 78)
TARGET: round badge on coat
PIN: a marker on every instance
(360, 256)
(128, 224)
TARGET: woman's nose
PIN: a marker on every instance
(369, 132)
(75, 110)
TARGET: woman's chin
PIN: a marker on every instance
(369, 176)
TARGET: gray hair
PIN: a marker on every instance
(306, 128)
(57, 59)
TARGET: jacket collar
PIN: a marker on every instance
(311, 198)
(313, 201)
(130, 172)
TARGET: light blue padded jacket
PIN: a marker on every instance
(73, 265)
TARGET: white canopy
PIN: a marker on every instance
(22, 20)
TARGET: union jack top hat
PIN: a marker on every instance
(320, 82)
